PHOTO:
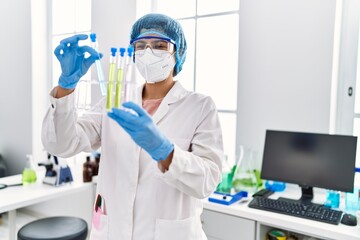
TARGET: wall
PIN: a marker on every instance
(285, 67)
(15, 83)
(111, 21)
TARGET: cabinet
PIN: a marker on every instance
(220, 226)
(262, 230)
(239, 222)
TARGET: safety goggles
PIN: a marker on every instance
(155, 43)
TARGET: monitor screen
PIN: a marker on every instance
(310, 159)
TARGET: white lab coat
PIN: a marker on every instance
(142, 202)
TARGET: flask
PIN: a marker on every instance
(29, 174)
(245, 175)
(352, 199)
(87, 170)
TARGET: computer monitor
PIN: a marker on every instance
(310, 160)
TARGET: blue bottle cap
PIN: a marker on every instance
(93, 37)
(113, 52)
(357, 169)
(122, 51)
(130, 51)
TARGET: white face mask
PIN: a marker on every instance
(154, 65)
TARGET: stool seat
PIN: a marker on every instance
(54, 228)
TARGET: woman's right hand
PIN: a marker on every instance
(72, 60)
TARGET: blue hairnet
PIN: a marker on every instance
(155, 23)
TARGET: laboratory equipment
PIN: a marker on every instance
(296, 208)
(244, 178)
(332, 199)
(119, 80)
(227, 198)
(352, 198)
(310, 160)
(109, 97)
(29, 174)
(99, 69)
(56, 174)
(87, 170)
(275, 186)
(129, 81)
(227, 174)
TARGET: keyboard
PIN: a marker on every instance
(295, 208)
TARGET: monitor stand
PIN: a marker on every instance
(307, 195)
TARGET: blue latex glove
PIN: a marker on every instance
(143, 131)
(72, 60)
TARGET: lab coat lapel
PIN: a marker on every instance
(175, 94)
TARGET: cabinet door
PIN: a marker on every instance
(220, 226)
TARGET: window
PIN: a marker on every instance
(211, 30)
(348, 86)
(70, 17)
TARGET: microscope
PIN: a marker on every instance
(55, 174)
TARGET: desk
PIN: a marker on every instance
(13, 198)
(262, 221)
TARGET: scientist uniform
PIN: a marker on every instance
(140, 201)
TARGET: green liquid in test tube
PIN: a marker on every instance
(120, 74)
(111, 79)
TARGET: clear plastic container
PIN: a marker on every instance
(352, 200)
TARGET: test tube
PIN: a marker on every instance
(130, 83)
(119, 81)
(111, 79)
(99, 69)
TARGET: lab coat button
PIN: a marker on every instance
(52, 105)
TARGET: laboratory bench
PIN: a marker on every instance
(43, 200)
(238, 221)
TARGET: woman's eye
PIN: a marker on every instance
(161, 45)
(139, 46)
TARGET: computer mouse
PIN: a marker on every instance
(349, 219)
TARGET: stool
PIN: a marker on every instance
(54, 228)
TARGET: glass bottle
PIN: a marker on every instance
(87, 170)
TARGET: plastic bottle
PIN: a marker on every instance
(332, 199)
(352, 200)
(275, 186)
(29, 174)
(87, 170)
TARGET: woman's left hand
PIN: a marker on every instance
(143, 131)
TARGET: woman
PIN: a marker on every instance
(156, 165)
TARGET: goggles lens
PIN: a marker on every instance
(155, 43)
